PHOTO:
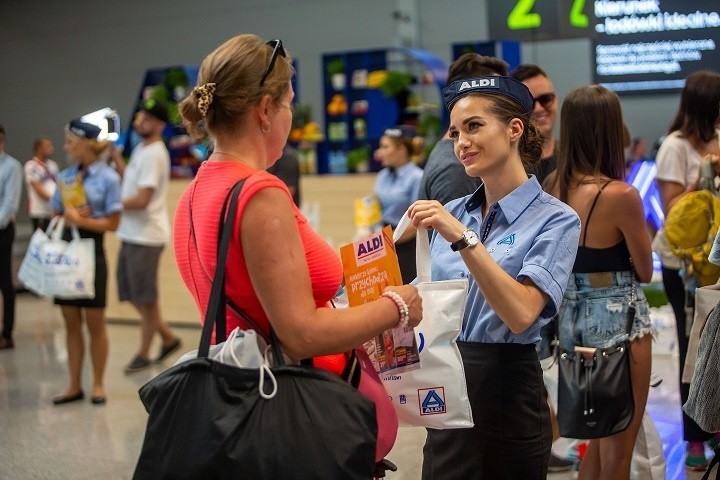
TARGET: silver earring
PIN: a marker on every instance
(265, 127)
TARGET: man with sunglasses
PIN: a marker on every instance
(544, 113)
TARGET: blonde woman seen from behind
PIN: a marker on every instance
(280, 273)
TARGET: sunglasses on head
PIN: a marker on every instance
(277, 47)
(546, 99)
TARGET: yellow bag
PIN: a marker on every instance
(690, 228)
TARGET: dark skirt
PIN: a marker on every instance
(512, 435)
(101, 274)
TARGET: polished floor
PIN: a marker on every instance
(82, 441)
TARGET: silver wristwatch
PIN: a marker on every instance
(469, 239)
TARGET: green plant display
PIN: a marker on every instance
(334, 66)
(395, 82)
(302, 115)
(358, 159)
(174, 82)
(429, 126)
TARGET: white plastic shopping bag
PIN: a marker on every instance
(31, 272)
(706, 298)
(434, 395)
(69, 266)
(648, 460)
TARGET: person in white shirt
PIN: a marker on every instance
(144, 229)
(40, 178)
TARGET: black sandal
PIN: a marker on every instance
(62, 399)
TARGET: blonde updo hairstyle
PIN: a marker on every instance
(236, 68)
(97, 147)
(413, 145)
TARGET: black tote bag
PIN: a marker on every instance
(595, 398)
(207, 420)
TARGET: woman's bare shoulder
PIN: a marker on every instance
(619, 190)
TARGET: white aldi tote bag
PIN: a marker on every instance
(31, 272)
(434, 395)
(69, 266)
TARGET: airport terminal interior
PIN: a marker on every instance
(361, 67)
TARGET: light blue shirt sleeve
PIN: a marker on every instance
(549, 261)
(529, 234)
(11, 180)
(397, 192)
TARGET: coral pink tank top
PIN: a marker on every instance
(196, 254)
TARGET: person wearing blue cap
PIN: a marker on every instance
(99, 214)
(397, 186)
(516, 244)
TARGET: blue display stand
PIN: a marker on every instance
(360, 129)
(508, 50)
(168, 85)
(185, 154)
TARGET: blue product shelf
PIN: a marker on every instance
(349, 130)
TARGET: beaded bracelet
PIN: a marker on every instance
(402, 308)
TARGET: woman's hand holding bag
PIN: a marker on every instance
(434, 395)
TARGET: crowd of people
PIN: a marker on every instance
(130, 201)
(529, 219)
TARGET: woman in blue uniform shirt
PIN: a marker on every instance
(397, 186)
(516, 244)
(101, 185)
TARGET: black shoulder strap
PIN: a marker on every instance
(592, 207)
(215, 313)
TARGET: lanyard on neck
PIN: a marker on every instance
(488, 225)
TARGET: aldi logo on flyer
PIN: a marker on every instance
(369, 249)
(432, 400)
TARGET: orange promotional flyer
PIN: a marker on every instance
(369, 265)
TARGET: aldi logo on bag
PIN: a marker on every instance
(432, 400)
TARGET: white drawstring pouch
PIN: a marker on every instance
(242, 349)
(434, 395)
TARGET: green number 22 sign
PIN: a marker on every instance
(522, 17)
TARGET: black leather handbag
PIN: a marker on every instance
(209, 420)
(595, 396)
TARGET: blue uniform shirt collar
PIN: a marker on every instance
(512, 205)
(91, 169)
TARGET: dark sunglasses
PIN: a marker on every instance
(277, 46)
(546, 99)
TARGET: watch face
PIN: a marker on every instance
(471, 238)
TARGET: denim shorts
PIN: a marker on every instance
(594, 309)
